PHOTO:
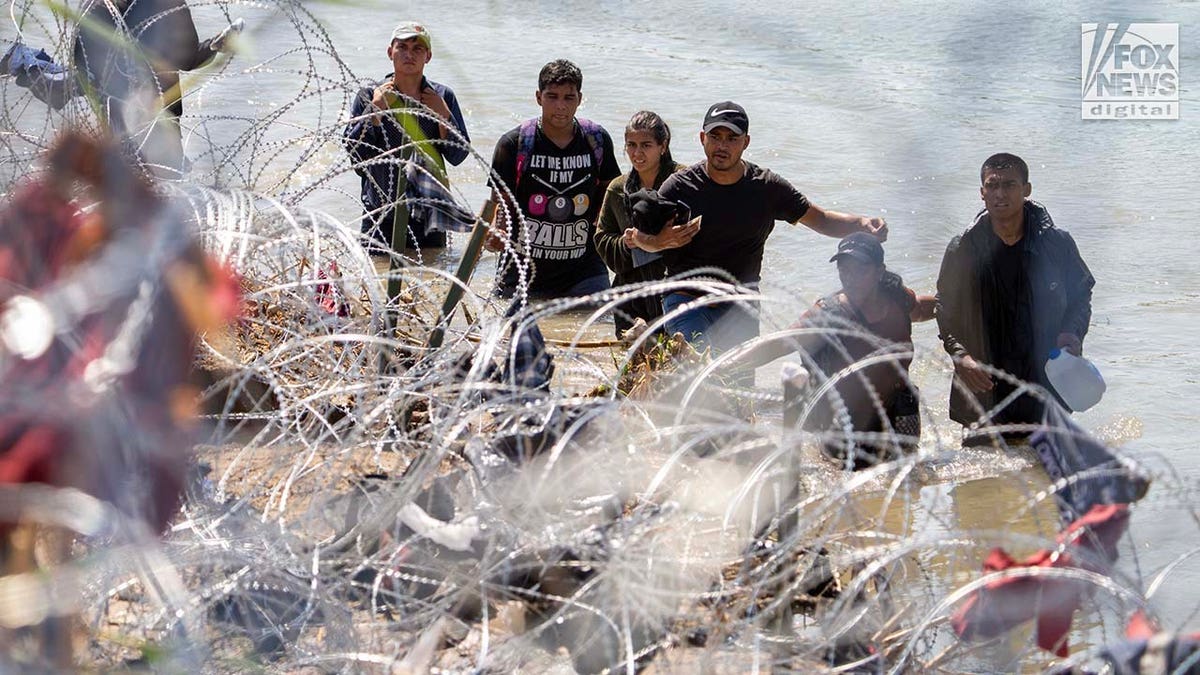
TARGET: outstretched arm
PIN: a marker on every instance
(770, 348)
(924, 309)
(837, 224)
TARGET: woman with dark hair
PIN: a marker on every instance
(648, 146)
(870, 317)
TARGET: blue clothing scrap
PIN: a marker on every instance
(35, 70)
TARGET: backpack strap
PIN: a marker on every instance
(593, 132)
(525, 141)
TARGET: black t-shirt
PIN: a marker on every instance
(1011, 330)
(737, 219)
(560, 193)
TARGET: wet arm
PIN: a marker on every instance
(838, 225)
(776, 346)
(925, 308)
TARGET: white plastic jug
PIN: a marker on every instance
(1075, 379)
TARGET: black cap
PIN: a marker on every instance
(860, 245)
(727, 114)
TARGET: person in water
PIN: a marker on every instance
(735, 204)
(648, 147)
(870, 316)
(556, 166)
(1011, 288)
(124, 50)
(371, 137)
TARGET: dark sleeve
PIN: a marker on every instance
(787, 203)
(364, 141)
(504, 164)
(608, 169)
(203, 54)
(451, 150)
(670, 188)
(1079, 282)
(951, 294)
(610, 230)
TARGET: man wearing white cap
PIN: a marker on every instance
(408, 139)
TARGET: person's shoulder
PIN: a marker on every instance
(762, 178)
(765, 175)
(588, 125)
(687, 178)
(979, 228)
(689, 174)
(367, 91)
(618, 184)
(443, 90)
(510, 137)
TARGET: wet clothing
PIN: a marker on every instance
(616, 217)
(857, 391)
(119, 77)
(374, 150)
(1006, 305)
(736, 219)
(559, 192)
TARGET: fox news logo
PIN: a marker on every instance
(1130, 71)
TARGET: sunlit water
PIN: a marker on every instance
(888, 111)
(876, 110)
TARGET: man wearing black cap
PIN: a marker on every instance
(383, 145)
(871, 316)
(735, 205)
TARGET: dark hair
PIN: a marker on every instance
(560, 71)
(1003, 160)
(645, 120)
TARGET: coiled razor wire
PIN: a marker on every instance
(364, 501)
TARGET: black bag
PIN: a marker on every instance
(651, 212)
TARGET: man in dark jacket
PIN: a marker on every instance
(414, 142)
(1011, 288)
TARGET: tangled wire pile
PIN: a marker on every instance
(359, 497)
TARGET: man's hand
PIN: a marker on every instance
(671, 236)
(382, 99)
(973, 375)
(494, 241)
(875, 226)
(221, 42)
(431, 100)
(1069, 342)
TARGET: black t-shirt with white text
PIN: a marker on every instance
(736, 219)
(560, 192)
